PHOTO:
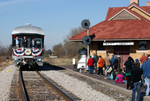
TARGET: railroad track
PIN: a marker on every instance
(35, 86)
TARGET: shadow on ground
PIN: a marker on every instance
(45, 67)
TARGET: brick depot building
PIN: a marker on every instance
(125, 31)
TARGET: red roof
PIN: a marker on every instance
(146, 8)
(132, 29)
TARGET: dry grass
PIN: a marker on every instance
(55, 61)
(3, 65)
(3, 62)
(2, 59)
(60, 61)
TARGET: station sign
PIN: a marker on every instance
(118, 43)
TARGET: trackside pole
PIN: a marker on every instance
(88, 49)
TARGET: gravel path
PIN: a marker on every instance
(79, 88)
(5, 82)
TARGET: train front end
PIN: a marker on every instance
(28, 46)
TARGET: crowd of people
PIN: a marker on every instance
(25, 42)
(135, 74)
(103, 66)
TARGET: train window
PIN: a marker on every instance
(38, 43)
(20, 42)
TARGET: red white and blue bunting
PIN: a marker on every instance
(22, 51)
(19, 52)
(36, 52)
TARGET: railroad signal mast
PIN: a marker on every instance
(86, 39)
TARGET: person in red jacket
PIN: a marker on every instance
(90, 65)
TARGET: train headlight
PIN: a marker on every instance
(16, 59)
(28, 51)
(39, 59)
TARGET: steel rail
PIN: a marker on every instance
(55, 87)
(24, 92)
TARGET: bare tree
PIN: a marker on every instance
(4, 52)
(73, 32)
(69, 49)
(58, 50)
(72, 48)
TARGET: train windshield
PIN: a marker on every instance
(30, 42)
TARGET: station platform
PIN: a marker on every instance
(104, 80)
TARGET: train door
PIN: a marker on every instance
(123, 52)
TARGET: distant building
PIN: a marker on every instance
(125, 31)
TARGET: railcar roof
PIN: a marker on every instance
(28, 30)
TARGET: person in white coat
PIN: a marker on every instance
(74, 63)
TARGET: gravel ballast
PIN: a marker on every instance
(5, 82)
(77, 87)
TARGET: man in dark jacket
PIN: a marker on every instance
(137, 82)
(95, 58)
(115, 63)
(129, 65)
(25, 42)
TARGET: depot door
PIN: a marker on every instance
(123, 52)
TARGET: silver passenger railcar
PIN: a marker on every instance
(28, 46)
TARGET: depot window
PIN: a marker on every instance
(142, 45)
(100, 46)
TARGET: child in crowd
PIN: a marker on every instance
(119, 78)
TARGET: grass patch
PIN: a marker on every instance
(60, 61)
(3, 62)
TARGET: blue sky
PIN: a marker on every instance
(55, 17)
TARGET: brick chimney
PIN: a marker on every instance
(134, 1)
(148, 3)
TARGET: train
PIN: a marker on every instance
(28, 46)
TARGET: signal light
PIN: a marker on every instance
(41, 36)
(14, 36)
